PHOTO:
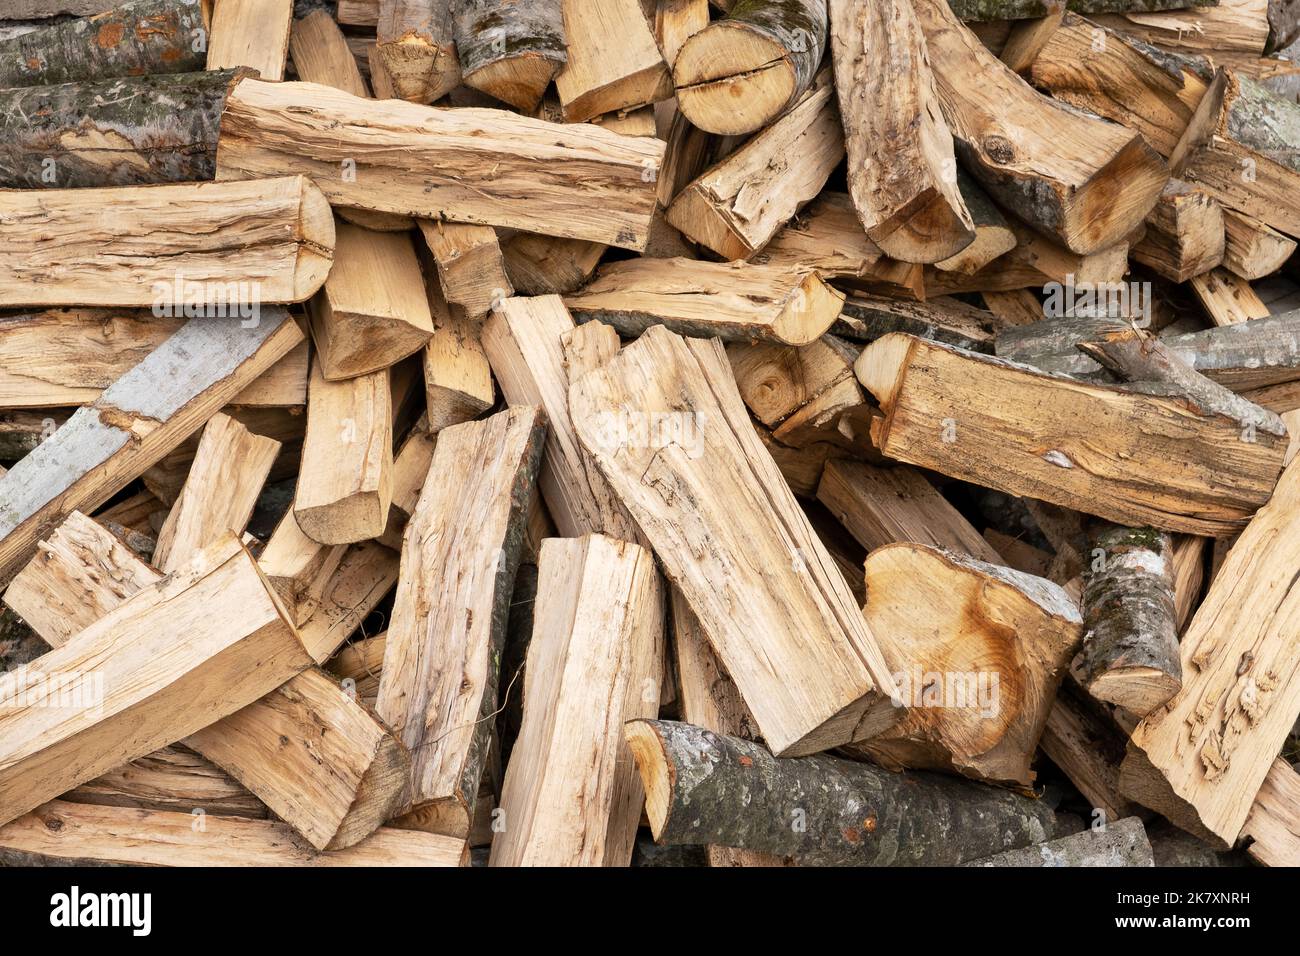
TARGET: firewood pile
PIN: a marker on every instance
(654, 432)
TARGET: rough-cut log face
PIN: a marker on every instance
(417, 49)
(1029, 9)
(614, 64)
(511, 49)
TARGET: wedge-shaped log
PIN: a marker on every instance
(614, 64)
(731, 300)
(417, 49)
(1252, 249)
(252, 34)
(1184, 234)
(827, 236)
(242, 244)
(510, 49)
(471, 270)
(571, 795)
(457, 381)
(136, 421)
(79, 835)
(1134, 458)
(1201, 759)
(580, 181)
(706, 788)
(443, 656)
(902, 172)
(993, 235)
(670, 433)
(174, 778)
(1083, 181)
(1274, 821)
(168, 661)
(298, 568)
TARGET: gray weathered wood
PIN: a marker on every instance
(1123, 843)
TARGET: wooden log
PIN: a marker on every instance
(826, 236)
(171, 779)
(1231, 30)
(1123, 843)
(410, 469)
(583, 182)
(39, 9)
(902, 173)
(1025, 9)
(1088, 749)
(1027, 38)
(457, 380)
(735, 301)
(74, 834)
(135, 421)
(1252, 249)
(1084, 182)
(740, 73)
(736, 206)
(547, 265)
(676, 21)
(510, 49)
(848, 814)
(1184, 234)
(227, 247)
(1274, 822)
(703, 468)
(993, 236)
(776, 381)
(345, 482)
(442, 659)
(868, 317)
(471, 270)
(1227, 298)
(417, 48)
(571, 795)
(927, 391)
(614, 64)
(298, 568)
(364, 577)
(252, 34)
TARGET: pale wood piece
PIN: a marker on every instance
(582, 182)
(994, 236)
(470, 267)
(510, 49)
(1201, 759)
(704, 484)
(676, 21)
(1184, 234)
(1181, 470)
(364, 577)
(868, 317)
(442, 659)
(776, 381)
(1088, 749)
(1274, 822)
(1057, 263)
(410, 468)
(361, 663)
(613, 63)
(1228, 299)
(229, 470)
(299, 568)
(1253, 250)
(545, 265)
(248, 243)
(457, 379)
(251, 33)
(1028, 37)
(1229, 29)
(61, 832)
(572, 796)
(902, 173)
(345, 482)
(1016, 307)
(416, 45)
(827, 236)
(173, 778)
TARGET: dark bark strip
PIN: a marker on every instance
(1028, 9)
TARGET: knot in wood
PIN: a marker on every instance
(998, 149)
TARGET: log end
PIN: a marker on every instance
(732, 81)
(934, 230)
(809, 312)
(1114, 202)
(518, 80)
(656, 771)
(1138, 690)
(347, 520)
(379, 793)
(880, 366)
(315, 243)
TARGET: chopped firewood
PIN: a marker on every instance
(1229, 30)
(676, 21)
(62, 833)
(735, 301)
(1026, 9)
(228, 246)
(583, 182)
(252, 34)
(867, 317)
(510, 49)
(1042, 437)
(1274, 822)
(902, 173)
(442, 660)
(776, 381)
(298, 568)
(827, 236)
(668, 429)
(1253, 250)
(417, 48)
(1184, 234)
(1086, 182)
(1122, 843)
(361, 663)
(1088, 749)
(571, 795)
(457, 379)
(363, 578)
(545, 265)
(174, 778)
(137, 38)
(1059, 264)
(736, 206)
(1227, 298)
(410, 468)
(1014, 307)
(702, 787)
(614, 64)
(1201, 758)
(993, 236)
(470, 267)
(1028, 37)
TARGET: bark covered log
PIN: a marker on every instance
(1027, 9)
(511, 49)
(1123, 843)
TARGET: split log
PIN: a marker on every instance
(668, 430)
(1274, 822)
(1053, 261)
(364, 577)
(1184, 234)
(1230, 30)
(1123, 843)
(547, 265)
(457, 380)
(740, 73)
(614, 64)
(1088, 748)
(676, 21)
(582, 181)
(252, 34)
(234, 246)
(510, 49)
(138, 38)
(136, 421)
(735, 301)
(1252, 249)
(77, 835)
(902, 173)
(410, 469)
(1227, 298)
(299, 568)
(1180, 470)
(173, 779)
(372, 311)
(362, 664)
(993, 235)
(705, 788)
(867, 317)
(417, 48)
(442, 660)
(1017, 307)
(1085, 182)
(736, 206)
(1201, 759)
(777, 381)
(471, 270)
(571, 795)
(827, 236)
(979, 672)
(1026, 39)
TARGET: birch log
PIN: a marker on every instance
(511, 49)
(417, 48)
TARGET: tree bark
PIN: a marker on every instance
(511, 49)
(1123, 843)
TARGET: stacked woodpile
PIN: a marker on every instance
(548, 432)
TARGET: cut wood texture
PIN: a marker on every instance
(1184, 234)
(902, 172)
(735, 301)
(1122, 843)
(1201, 758)
(614, 64)
(993, 236)
(868, 317)
(1025, 9)
(572, 796)
(1083, 181)
(442, 660)
(706, 788)
(1227, 298)
(457, 380)
(1253, 250)
(417, 48)
(1274, 822)
(580, 181)
(175, 247)
(827, 236)
(668, 430)
(739, 73)
(510, 49)
(1181, 470)
(252, 34)
(1028, 37)
(471, 270)
(175, 779)
(135, 422)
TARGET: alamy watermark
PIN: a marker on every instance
(1098, 300)
(684, 430)
(186, 299)
(68, 690)
(954, 690)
